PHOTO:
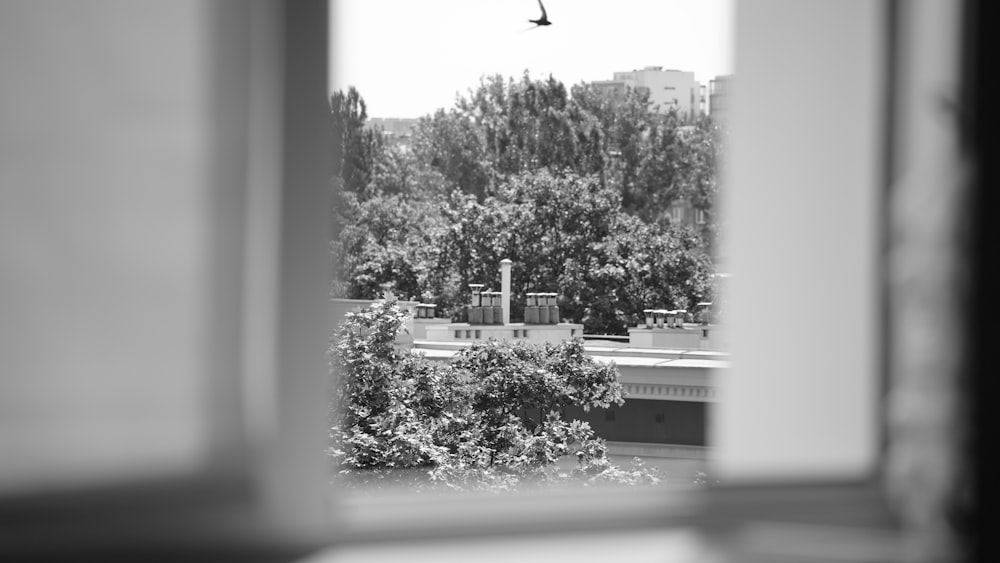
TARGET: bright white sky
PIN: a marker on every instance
(409, 57)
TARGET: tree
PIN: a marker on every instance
(386, 244)
(570, 234)
(639, 266)
(449, 143)
(355, 147)
(491, 419)
(573, 186)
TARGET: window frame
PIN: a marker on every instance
(267, 492)
(255, 495)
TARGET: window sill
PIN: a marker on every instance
(381, 518)
(808, 521)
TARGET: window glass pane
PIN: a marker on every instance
(797, 275)
(110, 245)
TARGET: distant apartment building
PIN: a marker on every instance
(718, 97)
(397, 130)
(667, 89)
(683, 212)
(395, 126)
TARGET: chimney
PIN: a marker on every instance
(704, 309)
(505, 289)
(475, 307)
(658, 315)
(497, 308)
(531, 309)
(487, 306)
(476, 288)
(679, 319)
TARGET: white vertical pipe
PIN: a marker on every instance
(505, 289)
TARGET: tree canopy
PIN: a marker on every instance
(572, 185)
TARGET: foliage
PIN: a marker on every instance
(491, 419)
(386, 244)
(355, 148)
(569, 234)
(572, 185)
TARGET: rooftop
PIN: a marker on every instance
(621, 355)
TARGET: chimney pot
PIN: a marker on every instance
(679, 318)
(658, 315)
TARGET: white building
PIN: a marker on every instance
(667, 89)
(718, 97)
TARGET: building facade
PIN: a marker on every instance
(718, 97)
(682, 212)
(669, 378)
(667, 89)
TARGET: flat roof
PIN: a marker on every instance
(624, 356)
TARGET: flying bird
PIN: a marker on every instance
(544, 20)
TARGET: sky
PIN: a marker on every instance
(407, 58)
